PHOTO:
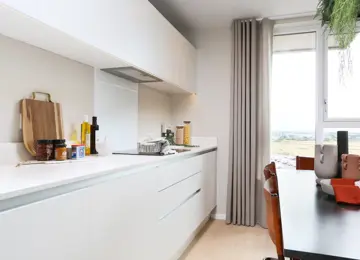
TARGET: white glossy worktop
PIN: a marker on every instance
(26, 179)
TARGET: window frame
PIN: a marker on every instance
(322, 120)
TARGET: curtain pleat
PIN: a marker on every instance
(244, 131)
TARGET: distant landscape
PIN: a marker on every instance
(286, 145)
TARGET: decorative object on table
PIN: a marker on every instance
(179, 135)
(85, 134)
(326, 159)
(327, 187)
(346, 191)
(94, 128)
(44, 150)
(350, 166)
(343, 148)
(78, 151)
(40, 120)
(187, 132)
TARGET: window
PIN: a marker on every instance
(343, 92)
(309, 101)
(330, 137)
(293, 86)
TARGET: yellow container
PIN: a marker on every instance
(187, 133)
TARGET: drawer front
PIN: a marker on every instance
(177, 227)
(176, 172)
(174, 196)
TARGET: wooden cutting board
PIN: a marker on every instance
(40, 120)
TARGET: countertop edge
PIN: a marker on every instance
(24, 197)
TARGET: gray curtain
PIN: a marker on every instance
(249, 130)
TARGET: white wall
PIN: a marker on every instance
(154, 109)
(209, 110)
(116, 106)
(24, 69)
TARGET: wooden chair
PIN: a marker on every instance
(271, 193)
(273, 209)
(304, 163)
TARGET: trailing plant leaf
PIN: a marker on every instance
(324, 10)
(343, 21)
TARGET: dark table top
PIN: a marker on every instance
(314, 225)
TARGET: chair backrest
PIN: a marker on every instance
(305, 163)
(271, 193)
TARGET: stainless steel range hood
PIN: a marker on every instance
(132, 74)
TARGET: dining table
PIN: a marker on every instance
(314, 226)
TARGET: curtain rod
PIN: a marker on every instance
(289, 16)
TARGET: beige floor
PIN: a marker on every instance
(219, 241)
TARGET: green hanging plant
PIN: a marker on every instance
(340, 16)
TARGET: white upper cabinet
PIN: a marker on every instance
(130, 32)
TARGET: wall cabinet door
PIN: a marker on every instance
(114, 220)
(131, 30)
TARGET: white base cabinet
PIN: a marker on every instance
(140, 216)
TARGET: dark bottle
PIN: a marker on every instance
(343, 148)
(94, 128)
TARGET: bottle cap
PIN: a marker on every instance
(86, 118)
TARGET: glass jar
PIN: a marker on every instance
(179, 134)
(44, 149)
(55, 143)
(187, 133)
(60, 152)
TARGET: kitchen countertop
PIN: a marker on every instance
(30, 179)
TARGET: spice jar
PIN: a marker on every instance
(60, 152)
(44, 149)
(78, 151)
(55, 143)
(179, 134)
(187, 130)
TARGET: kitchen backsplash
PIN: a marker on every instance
(154, 109)
(24, 68)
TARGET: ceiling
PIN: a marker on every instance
(194, 14)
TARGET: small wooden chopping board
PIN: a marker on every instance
(40, 120)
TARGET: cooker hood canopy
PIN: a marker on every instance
(133, 74)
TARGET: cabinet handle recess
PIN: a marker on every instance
(182, 203)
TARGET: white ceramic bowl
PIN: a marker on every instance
(327, 187)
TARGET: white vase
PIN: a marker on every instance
(326, 161)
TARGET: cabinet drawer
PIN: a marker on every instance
(177, 227)
(176, 172)
(173, 197)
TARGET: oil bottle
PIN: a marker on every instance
(85, 134)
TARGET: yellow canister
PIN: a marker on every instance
(187, 133)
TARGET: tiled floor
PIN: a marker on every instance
(219, 241)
